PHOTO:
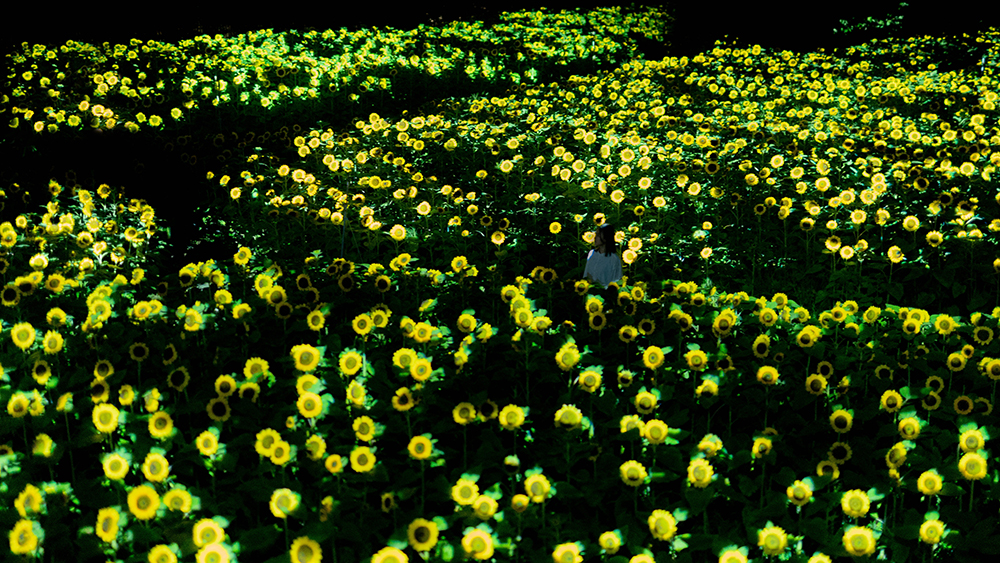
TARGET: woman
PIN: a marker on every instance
(603, 264)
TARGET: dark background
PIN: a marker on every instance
(800, 26)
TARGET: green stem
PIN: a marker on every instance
(72, 465)
(763, 482)
(567, 461)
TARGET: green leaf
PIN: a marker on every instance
(258, 538)
(816, 529)
(698, 499)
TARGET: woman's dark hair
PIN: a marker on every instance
(608, 235)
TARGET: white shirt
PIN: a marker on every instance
(603, 269)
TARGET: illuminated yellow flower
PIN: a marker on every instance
(773, 540)
(662, 525)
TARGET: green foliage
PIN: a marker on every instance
(402, 354)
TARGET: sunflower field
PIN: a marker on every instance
(395, 357)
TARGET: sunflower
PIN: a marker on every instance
(840, 452)
(403, 399)
(350, 362)
(389, 555)
(972, 466)
(484, 507)
(909, 428)
(633, 473)
(465, 492)
(213, 553)
(178, 500)
(99, 391)
(598, 321)
(761, 346)
(115, 467)
(52, 342)
(162, 554)
(891, 401)
(859, 541)
(971, 440)
(929, 483)
(305, 550)
(652, 357)
(477, 544)
(799, 493)
(655, 431)
(420, 447)
(963, 405)
(767, 316)
(242, 256)
(700, 473)
(364, 428)
(284, 502)
(105, 416)
(762, 447)
(645, 402)
(773, 539)
(696, 359)
(422, 332)
(362, 459)
(768, 375)
(567, 356)
(306, 357)
(931, 531)
(207, 532)
(356, 393)
(282, 452)
(103, 369)
(207, 442)
(310, 405)
(932, 401)
(251, 390)
(29, 502)
(511, 417)
(218, 409)
(855, 503)
(23, 335)
(464, 413)
(421, 369)
(983, 335)
(143, 502)
(10, 295)
(662, 525)
(160, 425)
(23, 537)
(816, 384)
(156, 468)
(807, 336)
(307, 382)
(568, 416)
(537, 488)
(956, 361)
(138, 351)
(567, 553)
(828, 467)
(841, 421)
(334, 463)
